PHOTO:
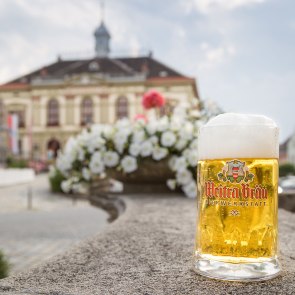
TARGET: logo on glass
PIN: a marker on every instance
(235, 171)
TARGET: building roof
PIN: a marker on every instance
(106, 66)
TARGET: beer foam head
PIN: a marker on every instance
(239, 136)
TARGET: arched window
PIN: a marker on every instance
(122, 108)
(86, 111)
(53, 146)
(21, 117)
(53, 113)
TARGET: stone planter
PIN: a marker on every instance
(150, 177)
(148, 172)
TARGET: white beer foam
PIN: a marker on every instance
(233, 135)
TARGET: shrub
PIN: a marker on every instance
(4, 266)
(286, 169)
(16, 163)
(55, 180)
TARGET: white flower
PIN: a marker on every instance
(187, 131)
(180, 163)
(120, 137)
(199, 124)
(96, 156)
(86, 173)
(70, 145)
(192, 158)
(190, 189)
(184, 176)
(94, 142)
(185, 153)
(97, 128)
(74, 179)
(175, 124)
(172, 162)
(168, 139)
(64, 162)
(194, 144)
(119, 148)
(181, 143)
(163, 124)
(134, 149)
(66, 186)
(81, 154)
(140, 122)
(138, 136)
(108, 131)
(96, 167)
(159, 153)
(129, 164)
(146, 148)
(154, 139)
(82, 138)
(122, 123)
(111, 159)
(151, 127)
(180, 111)
(96, 164)
(171, 183)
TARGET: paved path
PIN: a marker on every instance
(29, 237)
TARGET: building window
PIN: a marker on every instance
(53, 113)
(21, 118)
(86, 111)
(53, 146)
(122, 107)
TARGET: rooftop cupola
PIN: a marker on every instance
(102, 38)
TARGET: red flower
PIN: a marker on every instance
(153, 99)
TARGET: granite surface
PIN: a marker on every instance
(148, 250)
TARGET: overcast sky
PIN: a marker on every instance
(242, 52)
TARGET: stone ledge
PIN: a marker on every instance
(147, 251)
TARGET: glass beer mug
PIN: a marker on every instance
(237, 211)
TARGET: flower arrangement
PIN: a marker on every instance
(126, 144)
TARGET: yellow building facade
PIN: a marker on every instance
(58, 100)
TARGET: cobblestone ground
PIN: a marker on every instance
(54, 223)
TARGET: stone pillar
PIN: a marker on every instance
(96, 109)
(77, 111)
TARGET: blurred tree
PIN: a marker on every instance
(286, 169)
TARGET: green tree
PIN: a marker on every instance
(286, 169)
(4, 266)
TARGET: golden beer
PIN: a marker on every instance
(237, 216)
